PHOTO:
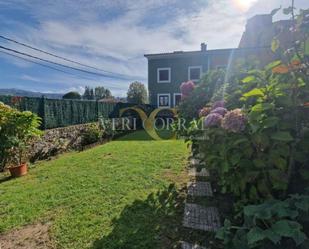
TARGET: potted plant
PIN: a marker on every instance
(16, 130)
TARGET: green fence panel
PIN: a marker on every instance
(60, 113)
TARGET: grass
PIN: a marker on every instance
(118, 195)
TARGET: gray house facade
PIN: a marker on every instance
(167, 71)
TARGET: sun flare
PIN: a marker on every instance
(244, 5)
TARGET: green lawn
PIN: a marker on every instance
(118, 195)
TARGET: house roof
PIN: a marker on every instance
(176, 54)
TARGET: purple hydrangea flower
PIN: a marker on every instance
(220, 110)
(204, 112)
(234, 121)
(186, 88)
(213, 119)
(218, 104)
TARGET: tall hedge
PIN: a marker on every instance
(60, 112)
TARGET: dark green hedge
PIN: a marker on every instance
(60, 113)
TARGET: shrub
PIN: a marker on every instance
(91, 134)
(16, 130)
(200, 95)
(273, 224)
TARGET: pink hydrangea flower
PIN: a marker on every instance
(213, 119)
(218, 104)
(220, 110)
(186, 88)
(234, 121)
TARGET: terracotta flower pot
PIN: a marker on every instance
(19, 170)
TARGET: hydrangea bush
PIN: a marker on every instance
(256, 143)
(186, 88)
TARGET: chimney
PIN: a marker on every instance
(203, 47)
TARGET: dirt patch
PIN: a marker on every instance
(171, 176)
(28, 237)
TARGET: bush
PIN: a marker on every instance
(91, 134)
(16, 131)
(72, 95)
(201, 95)
(273, 224)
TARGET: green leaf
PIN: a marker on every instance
(303, 204)
(270, 122)
(256, 92)
(240, 141)
(273, 64)
(280, 163)
(282, 136)
(276, 178)
(262, 107)
(299, 237)
(259, 163)
(256, 234)
(248, 79)
(271, 235)
(253, 193)
(282, 228)
(275, 44)
(290, 229)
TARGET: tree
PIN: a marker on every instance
(137, 93)
(97, 93)
(102, 93)
(87, 93)
(72, 95)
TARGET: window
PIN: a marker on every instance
(194, 73)
(177, 99)
(164, 100)
(164, 75)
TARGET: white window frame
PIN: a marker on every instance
(194, 67)
(169, 75)
(158, 100)
(174, 98)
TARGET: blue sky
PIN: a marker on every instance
(114, 36)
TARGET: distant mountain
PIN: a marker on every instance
(23, 93)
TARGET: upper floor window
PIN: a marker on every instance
(194, 73)
(164, 75)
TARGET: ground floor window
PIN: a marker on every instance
(177, 99)
(164, 100)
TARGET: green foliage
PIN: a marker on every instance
(102, 93)
(16, 130)
(91, 134)
(270, 156)
(137, 93)
(72, 95)
(60, 113)
(273, 224)
(96, 93)
(108, 127)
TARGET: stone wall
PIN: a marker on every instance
(59, 140)
(56, 141)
